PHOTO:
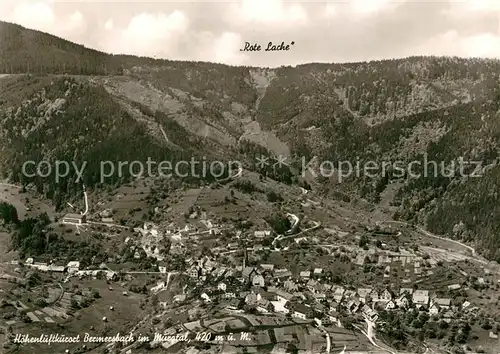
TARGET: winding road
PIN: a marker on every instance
(236, 175)
(295, 221)
(282, 237)
(430, 234)
(328, 339)
(86, 199)
(370, 334)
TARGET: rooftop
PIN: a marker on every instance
(73, 216)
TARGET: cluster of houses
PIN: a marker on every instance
(386, 299)
(71, 269)
(267, 289)
(152, 237)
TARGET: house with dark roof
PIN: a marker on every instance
(247, 273)
(302, 311)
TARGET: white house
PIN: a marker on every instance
(205, 297)
(420, 298)
(403, 301)
(290, 285)
(267, 267)
(258, 280)
(194, 272)
(338, 294)
(179, 298)
(74, 219)
(279, 306)
(55, 268)
(44, 267)
(374, 296)
(363, 293)
(391, 305)
(252, 298)
(386, 295)
(160, 285)
(409, 291)
(299, 314)
(262, 234)
(305, 274)
(434, 309)
(302, 311)
(222, 286)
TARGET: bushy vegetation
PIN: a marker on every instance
(399, 329)
(245, 187)
(8, 213)
(33, 237)
(274, 197)
(279, 223)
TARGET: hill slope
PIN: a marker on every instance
(123, 107)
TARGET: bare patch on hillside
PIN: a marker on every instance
(269, 140)
(261, 78)
(145, 94)
(154, 99)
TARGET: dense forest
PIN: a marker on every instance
(33, 237)
(443, 110)
(27, 51)
(81, 124)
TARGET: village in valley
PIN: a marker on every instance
(237, 273)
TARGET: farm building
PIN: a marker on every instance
(74, 219)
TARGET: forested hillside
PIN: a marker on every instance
(67, 120)
(438, 109)
(28, 51)
(131, 108)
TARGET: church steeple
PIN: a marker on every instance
(245, 256)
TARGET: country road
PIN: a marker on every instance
(370, 335)
(236, 175)
(430, 234)
(295, 221)
(282, 237)
(328, 339)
